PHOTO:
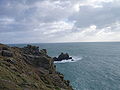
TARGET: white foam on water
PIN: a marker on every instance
(74, 59)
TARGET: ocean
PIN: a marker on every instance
(96, 65)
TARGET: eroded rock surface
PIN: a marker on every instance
(29, 68)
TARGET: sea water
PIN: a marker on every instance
(96, 65)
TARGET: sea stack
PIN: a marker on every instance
(29, 68)
(62, 56)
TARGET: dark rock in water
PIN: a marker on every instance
(72, 60)
(55, 59)
(6, 53)
(62, 56)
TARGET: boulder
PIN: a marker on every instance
(70, 57)
(43, 62)
(55, 59)
(33, 50)
(67, 82)
(39, 61)
(6, 53)
(3, 47)
(43, 51)
(10, 60)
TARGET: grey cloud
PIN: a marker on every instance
(97, 16)
(29, 15)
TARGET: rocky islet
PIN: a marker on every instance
(62, 56)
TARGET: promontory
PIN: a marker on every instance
(29, 68)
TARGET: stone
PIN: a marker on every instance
(43, 62)
(43, 71)
(61, 76)
(5, 48)
(12, 61)
(55, 59)
(32, 50)
(70, 58)
(43, 51)
(67, 82)
(39, 61)
(7, 53)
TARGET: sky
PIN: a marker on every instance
(52, 21)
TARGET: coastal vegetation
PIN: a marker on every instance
(29, 68)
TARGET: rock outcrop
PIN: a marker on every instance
(62, 56)
(29, 68)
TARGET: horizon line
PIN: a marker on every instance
(62, 42)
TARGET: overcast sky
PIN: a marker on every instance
(32, 21)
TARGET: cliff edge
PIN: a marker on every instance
(29, 68)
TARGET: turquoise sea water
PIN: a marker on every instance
(96, 65)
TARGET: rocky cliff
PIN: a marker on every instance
(29, 68)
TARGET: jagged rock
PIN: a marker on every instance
(61, 76)
(43, 71)
(29, 68)
(43, 51)
(14, 69)
(12, 61)
(6, 53)
(67, 82)
(4, 48)
(62, 56)
(55, 59)
(43, 62)
(32, 50)
(39, 61)
(57, 80)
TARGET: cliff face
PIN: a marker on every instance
(29, 68)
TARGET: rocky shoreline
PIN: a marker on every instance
(29, 68)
